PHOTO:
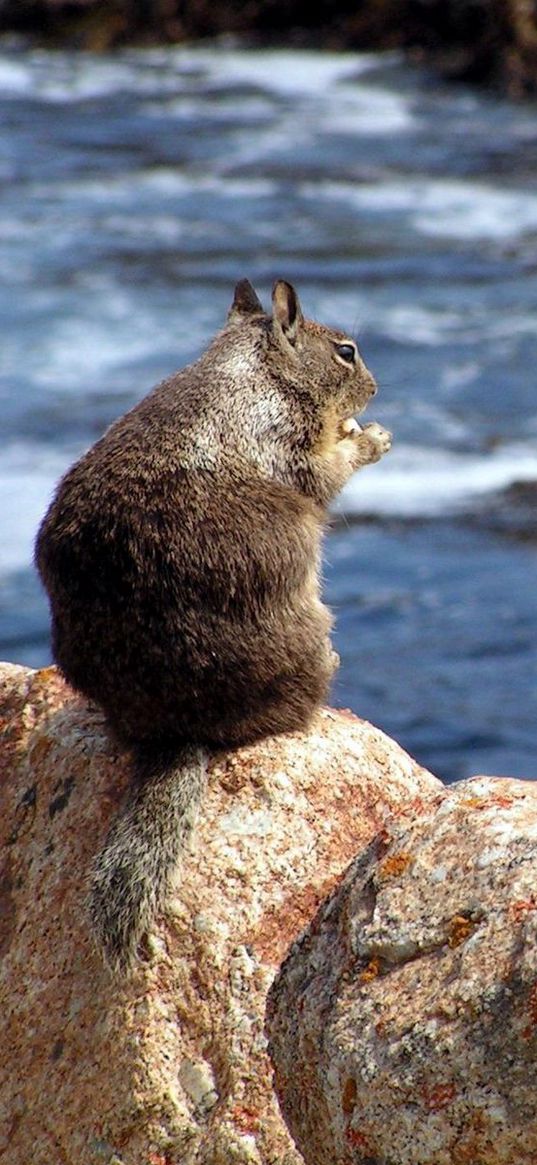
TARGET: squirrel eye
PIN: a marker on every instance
(346, 352)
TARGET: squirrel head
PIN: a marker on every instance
(317, 367)
(274, 395)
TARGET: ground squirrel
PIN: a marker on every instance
(181, 559)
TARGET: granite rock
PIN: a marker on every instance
(169, 1065)
(403, 1024)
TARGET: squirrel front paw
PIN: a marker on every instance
(371, 443)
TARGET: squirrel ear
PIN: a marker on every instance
(287, 310)
(245, 301)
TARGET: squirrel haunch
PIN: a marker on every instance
(180, 555)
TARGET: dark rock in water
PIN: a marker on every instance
(522, 492)
(491, 41)
(512, 511)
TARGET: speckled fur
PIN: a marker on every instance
(180, 555)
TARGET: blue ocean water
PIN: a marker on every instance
(136, 189)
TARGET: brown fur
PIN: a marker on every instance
(180, 556)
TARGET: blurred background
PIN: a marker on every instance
(145, 166)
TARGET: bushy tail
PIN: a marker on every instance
(130, 877)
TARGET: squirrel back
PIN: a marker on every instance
(180, 555)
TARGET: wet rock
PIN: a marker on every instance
(169, 1066)
(511, 512)
(403, 1025)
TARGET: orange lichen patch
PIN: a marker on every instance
(500, 800)
(396, 864)
(438, 1097)
(460, 928)
(246, 1120)
(475, 802)
(370, 971)
(49, 685)
(45, 674)
(160, 1159)
(359, 1140)
(522, 906)
(348, 1098)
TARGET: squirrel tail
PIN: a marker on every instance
(131, 875)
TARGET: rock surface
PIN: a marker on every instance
(168, 1066)
(403, 1025)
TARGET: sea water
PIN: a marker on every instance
(136, 189)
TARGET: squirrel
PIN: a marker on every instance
(181, 559)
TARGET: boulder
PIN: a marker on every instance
(167, 1066)
(403, 1024)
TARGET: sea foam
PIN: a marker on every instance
(418, 482)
